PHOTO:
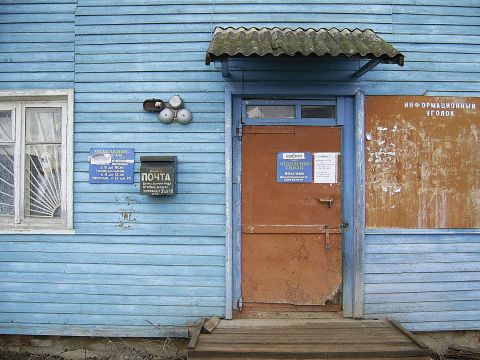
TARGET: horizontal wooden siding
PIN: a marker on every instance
(136, 259)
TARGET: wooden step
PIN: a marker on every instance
(308, 339)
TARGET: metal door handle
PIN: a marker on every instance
(328, 201)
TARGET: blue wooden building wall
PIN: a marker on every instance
(135, 258)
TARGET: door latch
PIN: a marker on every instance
(329, 202)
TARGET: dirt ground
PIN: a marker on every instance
(18, 347)
(9, 355)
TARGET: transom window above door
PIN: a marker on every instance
(305, 112)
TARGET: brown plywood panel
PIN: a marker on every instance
(302, 269)
(422, 165)
(266, 202)
(291, 241)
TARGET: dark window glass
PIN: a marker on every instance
(318, 111)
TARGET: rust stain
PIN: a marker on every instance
(421, 170)
(285, 255)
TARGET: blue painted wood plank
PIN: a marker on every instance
(37, 47)
(247, 18)
(421, 277)
(419, 297)
(109, 310)
(179, 330)
(437, 237)
(125, 239)
(419, 267)
(48, 27)
(97, 249)
(38, 77)
(19, 58)
(400, 288)
(114, 269)
(173, 86)
(107, 289)
(425, 248)
(36, 85)
(140, 58)
(145, 300)
(27, 67)
(140, 301)
(437, 29)
(433, 257)
(423, 307)
(165, 148)
(23, 280)
(45, 8)
(86, 319)
(152, 209)
(459, 9)
(136, 198)
(65, 37)
(436, 20)
(36, 18)
(151, 137)
(145, 218)
(207, 2)
(246, 8)
(152, 66)
(147, 229)
(14, 2)
(209, 75)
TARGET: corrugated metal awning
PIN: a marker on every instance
(255, 42)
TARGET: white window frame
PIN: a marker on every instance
(18, 101)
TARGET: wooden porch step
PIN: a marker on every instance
(308, 339)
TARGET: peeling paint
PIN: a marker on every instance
(421, 170)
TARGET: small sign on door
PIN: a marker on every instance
(325, 168)
(294, 167)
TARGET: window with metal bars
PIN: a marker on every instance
(33, 161)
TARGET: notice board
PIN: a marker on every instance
(422, 162)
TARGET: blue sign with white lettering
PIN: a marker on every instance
(111, 166)
(294, 167)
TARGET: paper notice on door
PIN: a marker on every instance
(325, 168)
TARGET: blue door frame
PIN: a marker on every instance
(350, 116)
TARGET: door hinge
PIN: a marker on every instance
(239, 304)
(344, 225)
(238, 132)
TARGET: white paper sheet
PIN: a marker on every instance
(325, 168)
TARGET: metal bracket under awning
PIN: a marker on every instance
(357, 74)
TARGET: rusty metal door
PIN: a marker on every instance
(291, 232)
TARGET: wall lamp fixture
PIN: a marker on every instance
(169, 112)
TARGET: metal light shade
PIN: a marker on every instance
(184, 116)
(166, 116)
(175, 102)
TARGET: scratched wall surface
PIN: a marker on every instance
(422, 170)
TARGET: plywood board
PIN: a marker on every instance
(422, 165)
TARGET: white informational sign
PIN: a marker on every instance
(325, 168)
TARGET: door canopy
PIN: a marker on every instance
(262, 42)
